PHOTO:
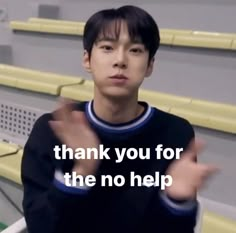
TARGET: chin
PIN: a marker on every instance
(118, 94)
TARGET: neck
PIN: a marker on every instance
(116, 110)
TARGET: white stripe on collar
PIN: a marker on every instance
(136, 123)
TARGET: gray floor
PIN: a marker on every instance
(10, 213)
(220, 150)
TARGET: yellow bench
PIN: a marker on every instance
(200, 39)
(176, 37)
(81, 92)
(207, 114)
(234, 44)
(202, 113)
(47, 28)
(7, 149)
(203, 41)
(32, 80)
(213, 223)
(56, 22)
(10, 167)
(156, 99)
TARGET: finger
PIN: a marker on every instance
(66, 108)
(64, 101)
(58, 128)
(79, 117)
(210, 169)
(194, 149)
(205, 176)
(198, 145)
(64, 111)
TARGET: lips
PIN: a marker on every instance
(121, 77)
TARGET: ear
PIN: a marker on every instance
(86, 61)
(150, 68)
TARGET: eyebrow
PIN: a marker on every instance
(106, 39)
(110, 39)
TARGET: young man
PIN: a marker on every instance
(120, 45)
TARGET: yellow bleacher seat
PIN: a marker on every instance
(215, 34)
(214, 107)
(37, 81)
(234, 44)
(25, 26)
(166, 38)
(222, 123)
(176, 31)
(213, 223)
(167, 35)
(47, 28)
(7, 148)
(48, 87)
(203, 41)
(62, 29)
(7, 81)
(81, 92)
(10, 167)
(155, 98)
(56, 22)
(207, 117)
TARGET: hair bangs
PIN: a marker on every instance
(112, 29)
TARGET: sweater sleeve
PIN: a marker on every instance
(175, 216)
(47, 207)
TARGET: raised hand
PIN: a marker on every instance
(188, 176)
(73, 129)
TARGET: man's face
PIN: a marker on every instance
(118, 66)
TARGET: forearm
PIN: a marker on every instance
(53, 210)
(168, 216)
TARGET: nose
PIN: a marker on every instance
(120, 59)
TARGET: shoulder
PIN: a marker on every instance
(177, 129)
(179, 124)
(41, 132)
(42, 121)
(172, 121)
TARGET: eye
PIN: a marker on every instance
(136, 50)
(106, 48)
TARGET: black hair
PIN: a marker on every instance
(141, 26)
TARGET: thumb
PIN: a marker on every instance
(209, 169)
(195, 148)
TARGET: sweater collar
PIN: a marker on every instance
(121, 127)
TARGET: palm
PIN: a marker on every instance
(73, 129)
(188, 176)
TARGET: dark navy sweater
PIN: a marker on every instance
(52, 207)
